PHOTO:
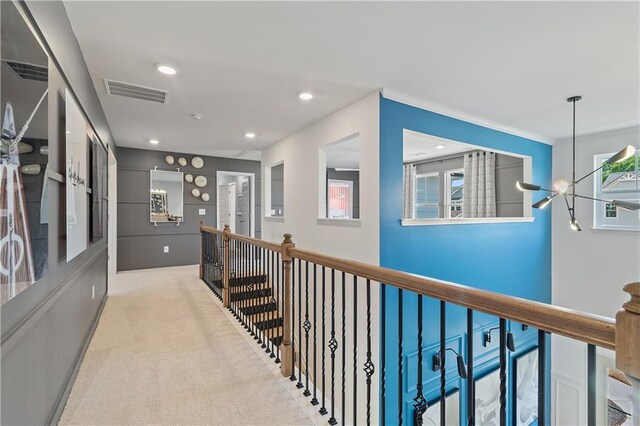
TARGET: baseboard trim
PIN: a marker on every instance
(61, 401)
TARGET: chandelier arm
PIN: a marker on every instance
(571, 215)
(589, 174)
(593, 199)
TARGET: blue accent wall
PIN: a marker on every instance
(508, 258)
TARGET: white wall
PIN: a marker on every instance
(358, 240)
(589, 268)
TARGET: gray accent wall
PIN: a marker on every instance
(140, 243)
(46, 328)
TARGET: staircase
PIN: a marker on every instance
(254, 294)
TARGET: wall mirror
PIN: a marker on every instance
(446, 181)
(340, 179)
(166, 196)
(24, 221)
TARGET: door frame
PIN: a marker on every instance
(252, 214)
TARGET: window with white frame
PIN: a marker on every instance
(427, 196)
(618, 181)
(455, 189)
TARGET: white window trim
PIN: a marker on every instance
(465, 221)
(447, 189)
(598, 193)
(415, 190)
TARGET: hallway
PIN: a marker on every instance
(165, 352)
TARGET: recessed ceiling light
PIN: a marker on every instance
(439, 146)
(166, 69)
(249, 135)
(305, 96)
(196, 116)
(154, 141)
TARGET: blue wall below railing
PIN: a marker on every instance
(508, 258)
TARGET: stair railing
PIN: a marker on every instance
(263, 283)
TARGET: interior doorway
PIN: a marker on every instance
(112, 218)
(236, 202)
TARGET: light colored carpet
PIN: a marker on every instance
(164, 352)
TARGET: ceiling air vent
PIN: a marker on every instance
(129, 90)
(29, 71)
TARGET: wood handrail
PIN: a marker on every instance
(592, 329)
(584, 327)
(211, 229)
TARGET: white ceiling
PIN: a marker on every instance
(419, 146)
(241, 64)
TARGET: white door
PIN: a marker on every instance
(223, 206)
(232, 207)
(112, 226)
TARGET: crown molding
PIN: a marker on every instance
(449, 112)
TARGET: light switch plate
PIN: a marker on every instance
(166, 249)
(93, 292)
(202, 212)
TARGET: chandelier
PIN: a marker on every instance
(567, 190)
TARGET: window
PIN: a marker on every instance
(455, 189)
(274, 177)
(427, 205)
(618, 181)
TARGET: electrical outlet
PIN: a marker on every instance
(166, 249)
(93, 292)
(202, 212)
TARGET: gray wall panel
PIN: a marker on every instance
(45, 328)
(146, 251)
(140, 243)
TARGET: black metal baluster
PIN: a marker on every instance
(591, 385)
(300, 385)
(314, 400)
(307, 328)
(443, 357)
(400, 364)
(293, 321)
(233, 244)
(272, 304)
(542, 387)
(323, 409)
(383, 355)
(419, 403)
(470, 397)
(355, 350)
(262, 294)
(278, 302)
(344, 348)
(255, 291)
(245, 265)
(368, 365)
(333, 345)
(503, 372)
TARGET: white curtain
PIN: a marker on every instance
(409, 185)
(479, 194)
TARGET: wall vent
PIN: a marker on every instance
(128, 90)
(29, 71)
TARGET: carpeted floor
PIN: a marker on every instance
(165, 353)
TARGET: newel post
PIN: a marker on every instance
(286, 348)
(226, 295)
(628, 344)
